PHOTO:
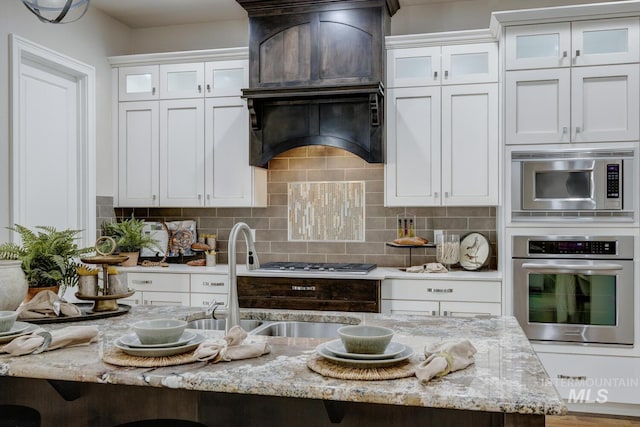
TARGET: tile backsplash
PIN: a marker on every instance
(321, 163)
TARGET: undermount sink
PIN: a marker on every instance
(219, 324)
(298, 329)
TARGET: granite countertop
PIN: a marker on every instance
(379, 273)
(506, 377)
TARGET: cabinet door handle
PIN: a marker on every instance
(153, 91)
(142, 282)
(564, 53)
(440, 290)
(434, 313)
(212, 283)
(208, 196)
(199, 196)
(199, 88)
(445, 313)
(208, 88)
(303, 288)
(578, 130)
(446, 194)
(564, 130)
(577, 52)
(153, 197)
(435, 74)
(446, 74)
(435, 194)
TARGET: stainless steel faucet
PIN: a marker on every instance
(231, 311)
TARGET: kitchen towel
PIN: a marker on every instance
(65, 337)
(430, 267)
(445, 357)
(41, 305)
(231, 348)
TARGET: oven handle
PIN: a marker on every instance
(571, 268)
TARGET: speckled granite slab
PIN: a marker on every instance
(507, 376)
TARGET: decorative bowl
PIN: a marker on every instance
(364, 339)
(7, 320)
(159, 331)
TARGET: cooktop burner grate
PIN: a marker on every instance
(353, 268)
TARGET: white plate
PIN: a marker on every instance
(133, 341)
(160, 352)
(15, 329)
(7, 338)
(364, 364)
(393, 349)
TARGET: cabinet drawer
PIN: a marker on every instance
(203, 300)
(423, 308)
(165, 298)
(210, 283)
(434, 290)
(588, 379)
(158, 282)
(470, 309)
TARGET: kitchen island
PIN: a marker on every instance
(507, 385)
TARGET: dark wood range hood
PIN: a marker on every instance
(316, 73)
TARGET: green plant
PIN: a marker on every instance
(48, 256)
(128, 235)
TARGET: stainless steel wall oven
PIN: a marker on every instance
(576, 289)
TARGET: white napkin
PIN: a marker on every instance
(231, 348)
(41, 305)
(430, 267)
(445, 357)
(65, 337)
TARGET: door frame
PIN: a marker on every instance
(24, 51)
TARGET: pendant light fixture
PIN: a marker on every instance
(57, 11)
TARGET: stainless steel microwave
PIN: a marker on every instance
(558, 181)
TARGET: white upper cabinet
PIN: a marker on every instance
(138, 83)
(412, 167)
(138, 156)
(427, 66)
(181, 80)
(605, 41)
(470, 144)
(226, 78)
(182, 152)
(578, 43)
(538, 46)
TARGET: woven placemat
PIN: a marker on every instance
(327, 368)
(115, 356)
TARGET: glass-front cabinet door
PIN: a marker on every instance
(418, 66)
(605, 41)
(138, 83)
(226, 78)
(181, 81)
(538, 46)
(470, 63)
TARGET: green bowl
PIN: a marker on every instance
(7, 320)
(364, 339)
(159, 331)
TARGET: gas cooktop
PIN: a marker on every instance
(328, 267)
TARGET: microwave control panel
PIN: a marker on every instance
(573, 247)
(613, 180)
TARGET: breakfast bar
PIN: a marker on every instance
(507, 384)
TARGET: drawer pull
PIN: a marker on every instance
(303, 288)
(142, 282)
(572, 377)
(440, 290)
(212, 283)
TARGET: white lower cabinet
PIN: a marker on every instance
(457, 298)
(593, 379)
(158, 289)
(206, 288)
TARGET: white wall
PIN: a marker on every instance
(90, 40)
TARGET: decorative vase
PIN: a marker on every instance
(33, 291)
(132, 261)
(13, 285)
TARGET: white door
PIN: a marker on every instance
(470, 63)
(605, 41)
(52, 159)
(605, 103)
(229, 178)
(413, 67)
(412, 169)
(226, 78)
(138, 83)
(470, 144)
(182, 152)
(538, 105)
(538, 46)
(138, 155)
(181, 81)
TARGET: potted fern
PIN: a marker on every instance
(130, 238)
(49, 257)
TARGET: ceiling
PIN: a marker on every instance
(157, 13)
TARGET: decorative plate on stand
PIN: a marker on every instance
(475, 251)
